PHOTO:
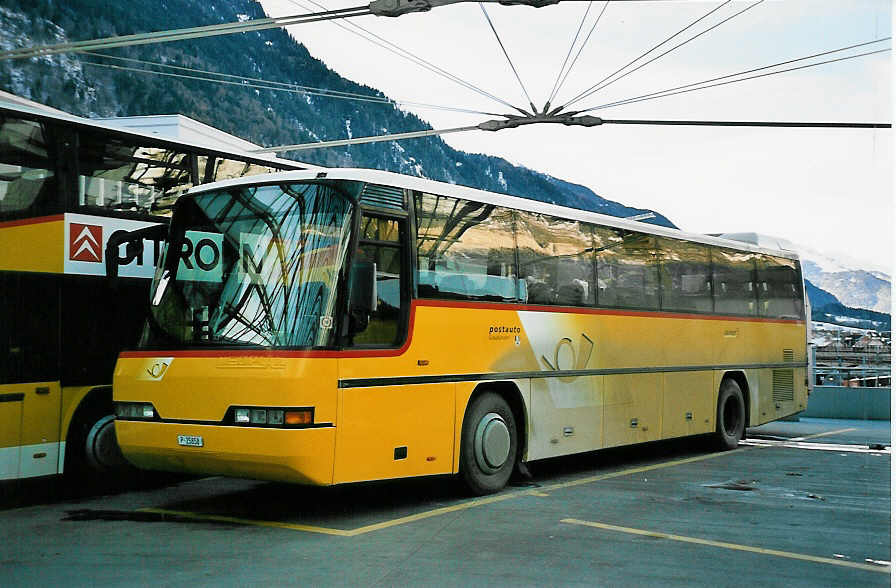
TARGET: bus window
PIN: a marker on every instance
(685, 276)
(27, 181)
(734, 290)
(227, 169)
(555, 257)
(29, 338)
(465, 250)
(118, 175)
(626, 270)
(380, 243)
(780, 290)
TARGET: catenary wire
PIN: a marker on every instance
(288, 85)
(595, 90)
(660, 44)
(183, 34)
(403, 53)
(569, 53)
(504, 50)
(282, 87)
(594, 26)
(224, 75)
(670, 92)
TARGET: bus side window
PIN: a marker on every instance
(556, 260)
(734, 290)
(627, 270)
(27, 181)
(780, 291)
(380, 244)
(465, 250)
(685, 276)
(115, 174)
(29, 337)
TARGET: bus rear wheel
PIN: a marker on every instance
(489, 443)
(731, 417)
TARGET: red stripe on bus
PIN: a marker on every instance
(359, 353)
(32, 221)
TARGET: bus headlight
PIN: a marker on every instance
(134, 410)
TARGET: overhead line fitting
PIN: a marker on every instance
(399, 7)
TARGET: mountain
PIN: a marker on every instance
(852, 284)
(98, 86)
(827, 309)
(819, 297)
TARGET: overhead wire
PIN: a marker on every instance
(585, 42)
(183, 34)
(595, 90)
(689, 87)
(258, 83)
(403, 53)
(568, 53)
(660, 44)
(504, 50)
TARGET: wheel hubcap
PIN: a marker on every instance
(102, 445)
(492, 443)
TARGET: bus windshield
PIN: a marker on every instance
(257, 266)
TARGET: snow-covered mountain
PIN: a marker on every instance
(853, 283)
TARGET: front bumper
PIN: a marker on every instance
(302, 456)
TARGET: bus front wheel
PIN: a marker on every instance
(731, 415)
(489, 442)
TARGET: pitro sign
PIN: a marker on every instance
(85, 242)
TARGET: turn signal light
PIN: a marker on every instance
(298, 417)
(272, 417)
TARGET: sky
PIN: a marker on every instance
(830, 190)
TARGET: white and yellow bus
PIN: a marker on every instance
(68, 187)
(345, 325)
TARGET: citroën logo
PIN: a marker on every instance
(85, 242)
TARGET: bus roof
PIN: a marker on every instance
(11, 102)
(515, 202)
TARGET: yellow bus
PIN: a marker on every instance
(364, 325)
(69, 187)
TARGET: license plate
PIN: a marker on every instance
(189, 440)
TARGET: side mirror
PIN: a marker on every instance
(363, 287)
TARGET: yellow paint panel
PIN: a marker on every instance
(629, 397)
(688, 393)
(374, 422)
(36, 247)
(40, 417)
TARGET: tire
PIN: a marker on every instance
(489, 444)
(92, 455)
(731, 417)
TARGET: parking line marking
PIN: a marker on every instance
(824, 434)
(251, 522)
(734, 546)
(540, 491)
(818, 446)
